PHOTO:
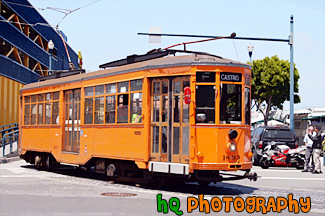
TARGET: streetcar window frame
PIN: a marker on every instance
(41, 109)
(231, 114)
(205, 104)
(209, 87)
(114, 103)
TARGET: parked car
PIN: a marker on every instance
(262, 136)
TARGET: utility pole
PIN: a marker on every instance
(292, 126)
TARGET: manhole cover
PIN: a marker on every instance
(117, 194)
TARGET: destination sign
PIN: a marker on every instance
(230, 77)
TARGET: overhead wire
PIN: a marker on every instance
(60, 10)
(70, 11)
(235, 49)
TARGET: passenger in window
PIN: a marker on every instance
(136, 116)
(122, 110)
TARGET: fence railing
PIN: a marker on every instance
(8, 128)
(9, 135)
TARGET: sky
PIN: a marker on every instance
(107, 30)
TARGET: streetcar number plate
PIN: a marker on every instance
(231, 157)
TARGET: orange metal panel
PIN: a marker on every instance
(37, 139)
(9, 100)
(120, 142)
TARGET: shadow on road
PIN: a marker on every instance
(220, 188)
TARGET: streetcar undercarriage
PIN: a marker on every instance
(127, 171)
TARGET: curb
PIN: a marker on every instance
(9, 159)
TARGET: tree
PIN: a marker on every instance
(271, 84)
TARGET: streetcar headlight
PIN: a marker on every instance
(232, 147)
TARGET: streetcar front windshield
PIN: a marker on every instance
(230, 104)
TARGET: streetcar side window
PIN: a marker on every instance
(122, 108)
(136, 107)
(136, 101)
(88, 110)
(114, 103)
(26, 114)
(40, 113)
(136, 85)
(123, 87)
(33, 117)
(89, 91)
(48, 113)
(41, 108)
(33, 114)
(110, 109)
(230, 104)
(205, 104)
(26, 110)
(99, 110)
(247, 106)
(55, 113)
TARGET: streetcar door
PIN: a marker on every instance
(71, 138)
(180, 121)
(169, 120)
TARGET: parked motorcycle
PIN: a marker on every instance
(281, 155)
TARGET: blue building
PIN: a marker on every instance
(24, 53)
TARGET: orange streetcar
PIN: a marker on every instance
(157, 116)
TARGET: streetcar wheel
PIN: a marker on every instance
(47, 164)
(37, 162)
(157, 182)
(111, 170)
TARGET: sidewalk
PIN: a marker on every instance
(10, 158)
(7, 149)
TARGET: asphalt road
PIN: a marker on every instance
(27, 191)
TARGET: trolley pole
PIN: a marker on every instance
(292, 127)
(289, 41)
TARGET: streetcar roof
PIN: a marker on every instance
(165, 62)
